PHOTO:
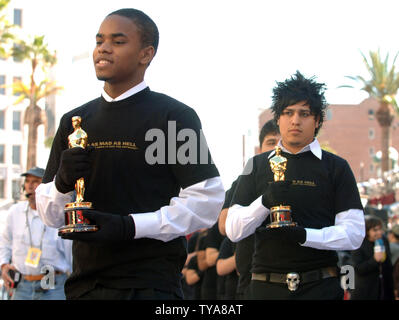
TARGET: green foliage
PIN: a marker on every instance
(5, 30)
(383, 83)
(48, 142)
(36, 51)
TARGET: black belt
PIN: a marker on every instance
(293, 279)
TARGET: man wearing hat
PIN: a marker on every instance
(31, 253)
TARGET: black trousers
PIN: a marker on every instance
(325, 289)
(99, 292)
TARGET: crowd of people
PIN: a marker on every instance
(160, 209)
(224, 273)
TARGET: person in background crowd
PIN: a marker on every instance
(194, 276)
(188, 287)
(396, 279)
(269, 136)
(393, 238)
(372, 263)
(27, 246)
(211, 283)
(226, 269)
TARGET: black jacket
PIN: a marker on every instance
(367, 273)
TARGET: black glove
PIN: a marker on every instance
(75, 163)
(277, 193)
(111, 227)
(295, 234)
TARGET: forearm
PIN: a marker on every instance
(211, 255)
(222, 221)
(189, 256)
(243, 221)
(226, 266)
(196, 207)
(201, 260)
(50, 204)
(192, 277)
(346, 234)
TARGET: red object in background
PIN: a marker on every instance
(189, 236)
(383, 200)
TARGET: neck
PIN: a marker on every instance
(292, 148)
(32, 202)
(295, 148)
(114, 90)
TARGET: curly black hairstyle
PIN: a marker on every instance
(147, 27)
(297, 89)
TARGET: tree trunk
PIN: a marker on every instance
(33, 118)
(385, 117)
(32, 147)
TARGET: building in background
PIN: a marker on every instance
(13, 133)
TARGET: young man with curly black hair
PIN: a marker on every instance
(298, 262)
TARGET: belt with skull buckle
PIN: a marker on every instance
(293, 279)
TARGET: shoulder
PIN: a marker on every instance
(19, 206)
(17, 209)
(333, 159)
(261, 158)
(339, 170)
(83, 111)
(167, 102)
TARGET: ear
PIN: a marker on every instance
(147, 54)
(317, 121)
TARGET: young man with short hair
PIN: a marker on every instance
(298, 262)
(145, 199)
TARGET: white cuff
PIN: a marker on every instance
(243, 221)
(346, 234)
(313, 237)
(144, 222)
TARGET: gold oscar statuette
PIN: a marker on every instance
(280, 215)
(74, 220)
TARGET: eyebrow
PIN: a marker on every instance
(301, 108)
(113, 35)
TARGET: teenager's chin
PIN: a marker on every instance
(103, 78)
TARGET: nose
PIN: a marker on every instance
(105, 46)
(295, 119)
(28, 185)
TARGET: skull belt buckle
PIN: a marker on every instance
(292, 281)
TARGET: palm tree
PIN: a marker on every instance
(383, 86)
(5, 29)
(38, 54)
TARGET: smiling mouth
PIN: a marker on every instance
(102, 63)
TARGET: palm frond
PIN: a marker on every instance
(383, 81)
